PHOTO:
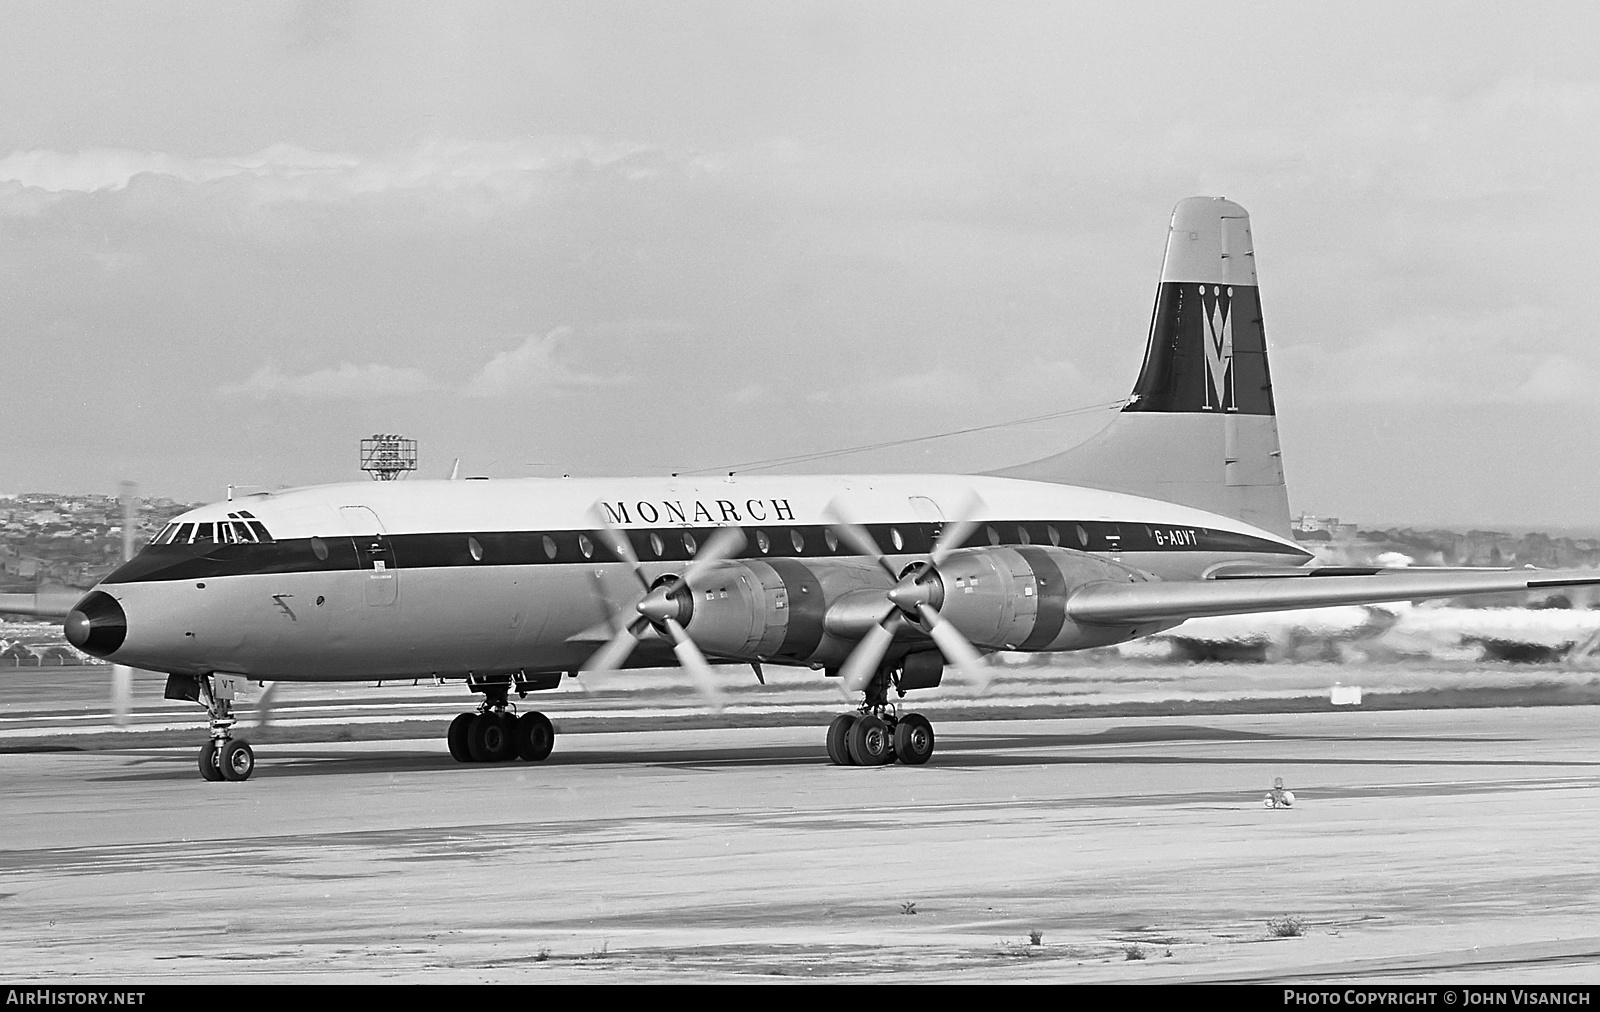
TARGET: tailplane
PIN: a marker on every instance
(1199, 427)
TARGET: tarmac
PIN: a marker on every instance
(1425, 846)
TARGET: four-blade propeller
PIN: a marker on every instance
(665, 605)
(910, 599)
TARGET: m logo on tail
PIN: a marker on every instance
(1219, 348)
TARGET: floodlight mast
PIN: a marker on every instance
(387, 456)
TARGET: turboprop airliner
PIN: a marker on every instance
(886, 582)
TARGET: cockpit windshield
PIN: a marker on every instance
(241, 528)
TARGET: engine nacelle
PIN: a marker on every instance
(1014, 598)
(774, 608)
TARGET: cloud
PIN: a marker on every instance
(346, 382)
(514, 170)
(534, 365)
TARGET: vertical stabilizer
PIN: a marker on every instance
(1199, 427)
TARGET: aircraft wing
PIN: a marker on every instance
(1157, 601)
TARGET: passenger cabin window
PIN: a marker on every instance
(992, 534)
(585, 546)
(832, 539)
(656, 544)
(899, 542)
(1022, 535)
(689, 543)
(319, 548)
(1055, 536)
(797, 541)
(475, 549)
(549, 547)
(763, 542)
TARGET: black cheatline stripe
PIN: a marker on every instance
(665, 544)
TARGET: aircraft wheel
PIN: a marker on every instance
(839, 739)
(913, 739)
(490, 738)
(209, 768)
(871, 744)
(535, 737)
(456, 737)
(237, 761)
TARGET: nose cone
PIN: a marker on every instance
(97, 625)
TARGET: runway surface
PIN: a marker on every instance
(1434, 845)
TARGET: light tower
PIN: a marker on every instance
(388, 456)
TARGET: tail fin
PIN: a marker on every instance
(1199, 428)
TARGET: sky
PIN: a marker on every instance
(626, 238)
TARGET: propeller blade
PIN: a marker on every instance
(611, 656)
(863, 661)
(121, 694)
(726, 543)
(858, 537)
(619, 543)
(955, 533)
(695, 663)
(957, 649)
(265, 704)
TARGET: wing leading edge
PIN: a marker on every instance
(1108, 603)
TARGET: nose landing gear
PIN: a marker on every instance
(222, 757)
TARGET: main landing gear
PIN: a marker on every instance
(494, 733)
(223, 757)
(876, 734)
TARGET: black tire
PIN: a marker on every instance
(913, 739)
(535, 737)
(871, 744)
(456, 737)
(209, 770)
(839, 739)
(491, 739)
(237, 761)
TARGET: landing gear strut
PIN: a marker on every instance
(222, 757)
(494, 732)
(877, 734)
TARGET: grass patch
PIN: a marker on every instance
(1286, 927)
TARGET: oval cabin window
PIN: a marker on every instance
(656, 545)
(797, 541)
(475, 548)
(585, 546)
(763, 542)
(549, 547)
(689, 544)
(319, 548)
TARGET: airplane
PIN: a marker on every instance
(1176, 510)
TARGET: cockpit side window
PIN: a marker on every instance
(183, 534)
(224, 534)
(164, 535)
(260, 532)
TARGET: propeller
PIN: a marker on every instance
(121, 674)
(910, 597)
(661, 606)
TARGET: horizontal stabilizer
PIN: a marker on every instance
(1136, 603)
